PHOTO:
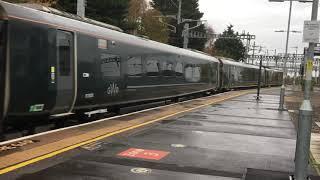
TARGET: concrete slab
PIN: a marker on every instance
(248, 104)
(235, 128)
(80, 170)
(221, 141)
(246, 113)
(235, 120)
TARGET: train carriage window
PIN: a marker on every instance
(196, 74)
(179, 69)
(135, 66)
(167, 69)
(214, 72)
(110, 65)
(64, 53)
(192, 73)
(188, 72)
(153, 67)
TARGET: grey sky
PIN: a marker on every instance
(259, 17)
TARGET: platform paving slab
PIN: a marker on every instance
(80, 170)
(61, 139)
(214, 142)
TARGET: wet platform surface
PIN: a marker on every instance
(219, 142)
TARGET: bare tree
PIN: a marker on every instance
(152, 28)
(137, 9)
(209, 48)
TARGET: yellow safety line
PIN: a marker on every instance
(49, 155)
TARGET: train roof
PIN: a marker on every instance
(15, 11)
(232, 62)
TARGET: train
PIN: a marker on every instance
(54, 64)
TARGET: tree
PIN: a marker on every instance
(108, 11)
(142, 21)
(229, 45)
(190, 10)
(136, 11)
(152, 28)
(112, 12)
(209, 49)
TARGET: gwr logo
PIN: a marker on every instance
(113, 89)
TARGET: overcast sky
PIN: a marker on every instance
(259, 17)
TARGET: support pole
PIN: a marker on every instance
(259, 80)
(186, 36)
(254, 48)
(81, 10)
(179, 12)
(282, 91)
(318, 71)
(305, 116)
(295, 70)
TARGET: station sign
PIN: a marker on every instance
(311, 31)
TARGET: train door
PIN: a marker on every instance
(64, 72)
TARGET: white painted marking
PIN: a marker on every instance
(178, 145)
(90, 95)
(85, 75)
(141, 170)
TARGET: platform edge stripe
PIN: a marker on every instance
(54, 153)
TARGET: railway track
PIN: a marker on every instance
(42, 126)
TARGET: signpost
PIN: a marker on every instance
(311, 35)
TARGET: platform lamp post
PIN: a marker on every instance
(282, 92)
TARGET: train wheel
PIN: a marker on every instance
(30, 129)
(83, 118)
(60, 123)
(2, 136)
(175, 100)
(114, 109)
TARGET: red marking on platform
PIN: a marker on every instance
(144, 154)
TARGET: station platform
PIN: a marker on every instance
(228, 136)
